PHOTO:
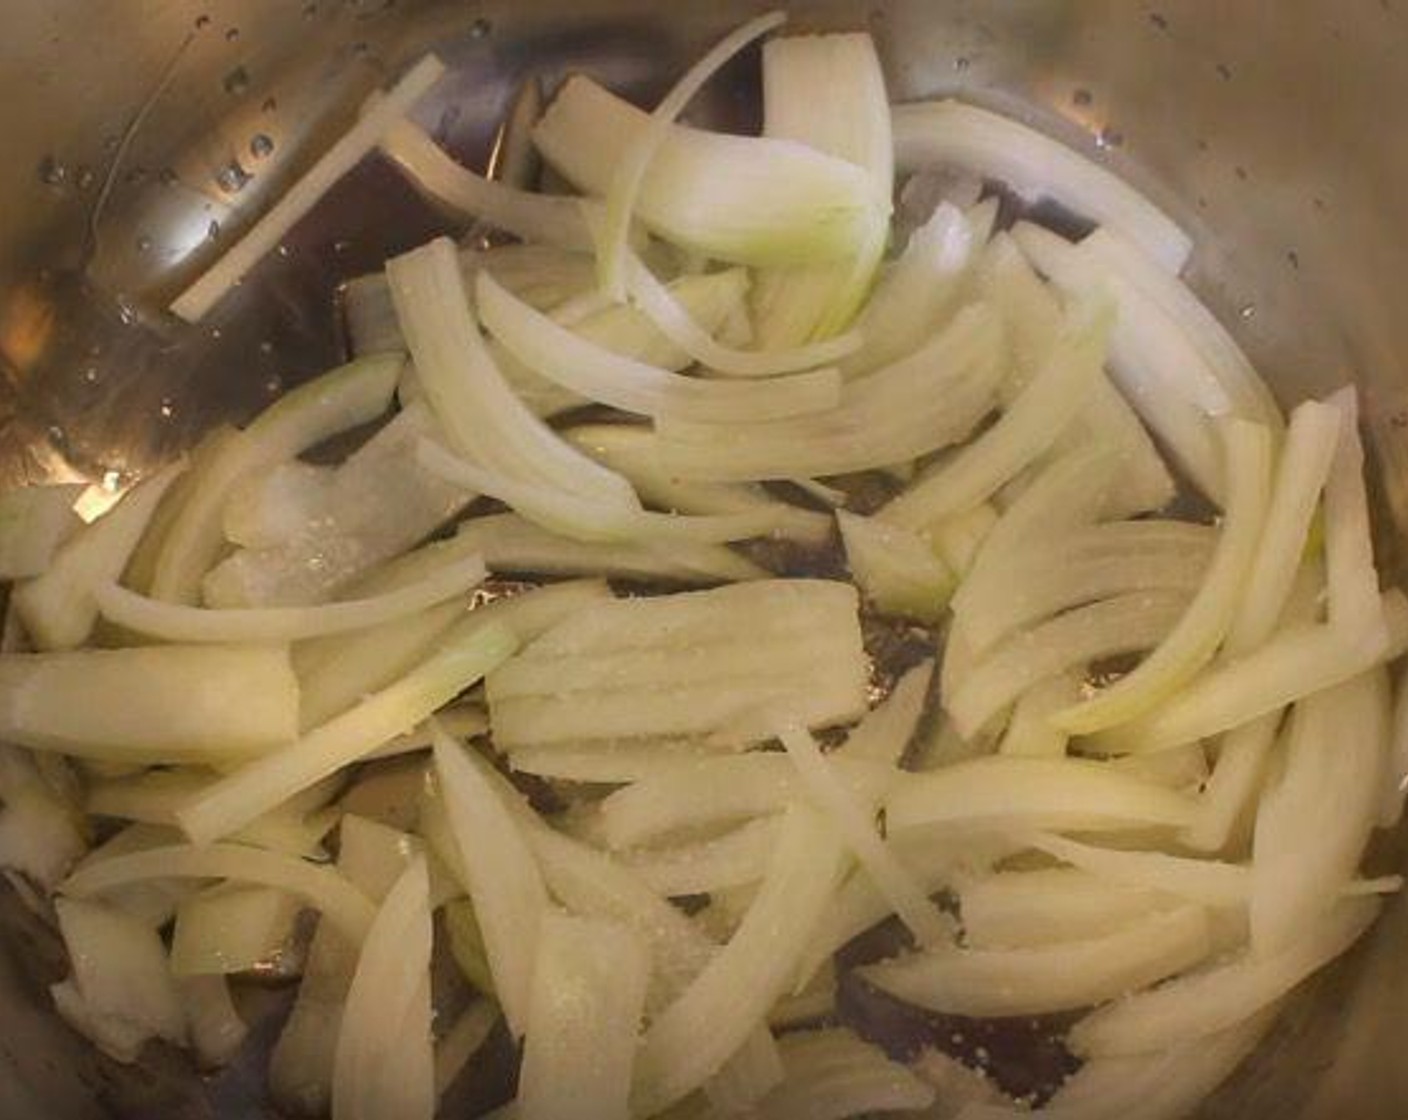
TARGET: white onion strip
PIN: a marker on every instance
(362, 137)
(626, 180)
(322, 887)
(576, 363)
(173, 622)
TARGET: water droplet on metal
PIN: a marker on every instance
(52, 173)
(1240, 172)
(167, 177)
(91, 376)
(202, 22)
(232, 34)
(125, 314)
(212, 231)
(1159, 20)
(167, 409)
(1293, 259)
(1082, 97)
(134, 176)
(144, 244)
(1224, 71)
(480, 29)
(86, 178)
(232, 177)
(216, 333)
(283, 251)
(310, 10)
(274, 385)
(270, 104)
(1247, 311)
(237, 81)
(261, 146)
(57, 436)
(960, 64)
(1109, 137)
(341, 245)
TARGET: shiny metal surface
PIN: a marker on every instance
(1268, 128)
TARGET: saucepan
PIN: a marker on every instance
(143, 135)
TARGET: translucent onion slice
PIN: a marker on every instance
(663, 308)
(58, 607)
(1026, 429)
(466, 655)
(382, 1065)
(1006, 792)
(1035, 166)
(361, 138)
(745, 199)
(599, 375)
(1297, 661)
(501, 875)
(693, 1037)
(542, 219)
(629, 172)
(1222, 996)
(1192, 643)
(584, 1016)
(321, 887)
(173, 622)
(1048, 978)
(349, 396)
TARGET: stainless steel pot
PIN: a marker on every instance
(141, 134)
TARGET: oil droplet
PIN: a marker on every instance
(52, 173)
(1247, 311)
(1082, 97)
(202, 22)
(1224, 71)
(86, 178)
(232, 177)
(237, 81)
(261, 146)
(341, 245)
(1159, 20)
(1241, 173)
(1109, 138)
(167, 409)
(212, 231)
(283, 251)
(274, 386)
(216, 333)
(232, 34)
(91, 376)
(480, 29)
(266, 347)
